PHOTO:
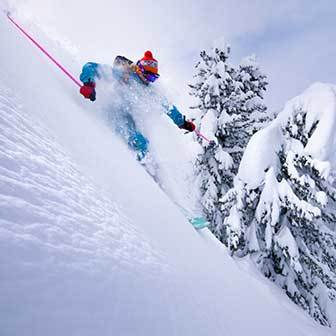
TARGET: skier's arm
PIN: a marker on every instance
(88, 76)
(89, 72)
(178, 118)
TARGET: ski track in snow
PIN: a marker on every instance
(48, 208)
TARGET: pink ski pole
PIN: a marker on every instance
(198, 133)
(44, 51)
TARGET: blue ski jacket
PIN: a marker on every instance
(92, 71)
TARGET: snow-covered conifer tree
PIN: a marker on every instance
(285, 216)
(229, 102)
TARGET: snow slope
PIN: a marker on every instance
(90, 245)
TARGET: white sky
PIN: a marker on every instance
(294, 40)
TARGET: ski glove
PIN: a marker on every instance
(88, 90)
(188, 126)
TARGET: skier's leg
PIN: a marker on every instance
(136, 140)
(124, 125)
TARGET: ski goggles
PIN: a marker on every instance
(151, 77)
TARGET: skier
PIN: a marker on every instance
(130, 75)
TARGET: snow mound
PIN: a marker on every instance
(260, 154)
(318, 103)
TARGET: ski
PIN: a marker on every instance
(199, 223)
